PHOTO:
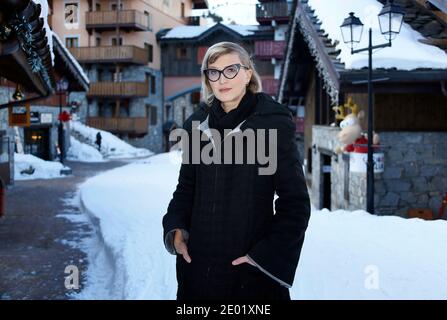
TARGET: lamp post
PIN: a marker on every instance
(61, 86)
(390, 21)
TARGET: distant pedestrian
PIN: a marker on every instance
(98, 140)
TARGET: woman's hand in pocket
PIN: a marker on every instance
(241, 260)
(180, 245)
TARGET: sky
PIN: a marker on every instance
(241, 11)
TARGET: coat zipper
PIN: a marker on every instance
(215, 186)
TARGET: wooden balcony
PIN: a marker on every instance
(130, 20)
(278, 11)
(270, 86)
(118, 89)
(121, 54)
(270, 49)
(119, 125)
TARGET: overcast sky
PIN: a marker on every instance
(241, 11)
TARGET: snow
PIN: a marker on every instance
(186, 32)
(111, 146)
(44, 15)
(346, 255)
(83, 152)
(70, 56)
(243, 29)
(241, 12)
(406, 53)
(195, 31)
(42, 169)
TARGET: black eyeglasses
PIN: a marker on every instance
(229, 72)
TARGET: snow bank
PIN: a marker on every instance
(346, 255)
(129, 227)
(111, 146)
(407, 53)
(83, 152)
(38, 168)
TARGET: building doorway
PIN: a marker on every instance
(37, 142)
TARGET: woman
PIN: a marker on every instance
(220, 222)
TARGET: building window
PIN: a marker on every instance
(115, 42)
(117, 76)
(182, 53)
(151, 114)
(114, 6)
(182, 10)
(71, 42)
(150, 52)
(98, 6)
(101, 112)
(149, 19)
(71, 12)
(153, 84)
(168, 111)
(100, 75)
(98, 41)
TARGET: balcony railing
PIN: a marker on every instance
(270, 86)
(127, 19)
(270, 49)
(122, 54)
(279, 11)
(119, 89)
(119, 125)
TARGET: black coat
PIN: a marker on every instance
(226, 211)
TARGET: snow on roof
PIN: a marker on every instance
(183, 32)
(244, 30)
(44, 15)
(70, 56)
(406, 53)
(186, 32)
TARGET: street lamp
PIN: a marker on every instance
(61, 87)
(390, 21)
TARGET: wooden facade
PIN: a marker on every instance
(111, 54)
(120, 125)
(130, 20)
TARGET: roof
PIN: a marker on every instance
(71, 63)
(27, 46)
(197, 33)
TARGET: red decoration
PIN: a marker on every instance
(64, 116)
(360, 145)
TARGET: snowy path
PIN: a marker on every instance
(41, 232)
(346, 255)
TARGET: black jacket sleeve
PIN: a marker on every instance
(277, 254)
(179, 210)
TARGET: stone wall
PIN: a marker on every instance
(415, 173)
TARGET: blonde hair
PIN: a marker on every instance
(219, 49)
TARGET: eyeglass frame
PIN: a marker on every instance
(238, 65)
